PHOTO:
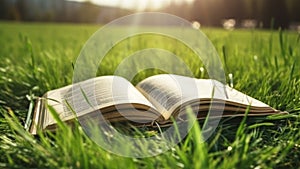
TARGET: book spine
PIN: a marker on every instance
(35, 123)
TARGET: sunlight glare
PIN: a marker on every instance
(133, 4)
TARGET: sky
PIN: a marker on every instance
(136, 4)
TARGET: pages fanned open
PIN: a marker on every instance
(156, 98)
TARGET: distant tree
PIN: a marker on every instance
(202, 12)
(293, 8)
(3, 9)
(21, 7)
(274, 10)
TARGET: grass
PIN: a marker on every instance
(38, 57)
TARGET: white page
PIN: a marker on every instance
(93, 94)
(167, 92)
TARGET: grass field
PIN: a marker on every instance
(38, 57)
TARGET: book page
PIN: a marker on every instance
(95, 94)
(167, 92)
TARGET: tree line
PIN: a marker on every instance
(269, 13)
(58, 11)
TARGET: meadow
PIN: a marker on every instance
(38, 57)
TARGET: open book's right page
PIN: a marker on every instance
(168, 92)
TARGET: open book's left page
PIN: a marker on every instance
(110, 94)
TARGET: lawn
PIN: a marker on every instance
(38, 57)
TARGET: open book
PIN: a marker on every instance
(156, 98)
